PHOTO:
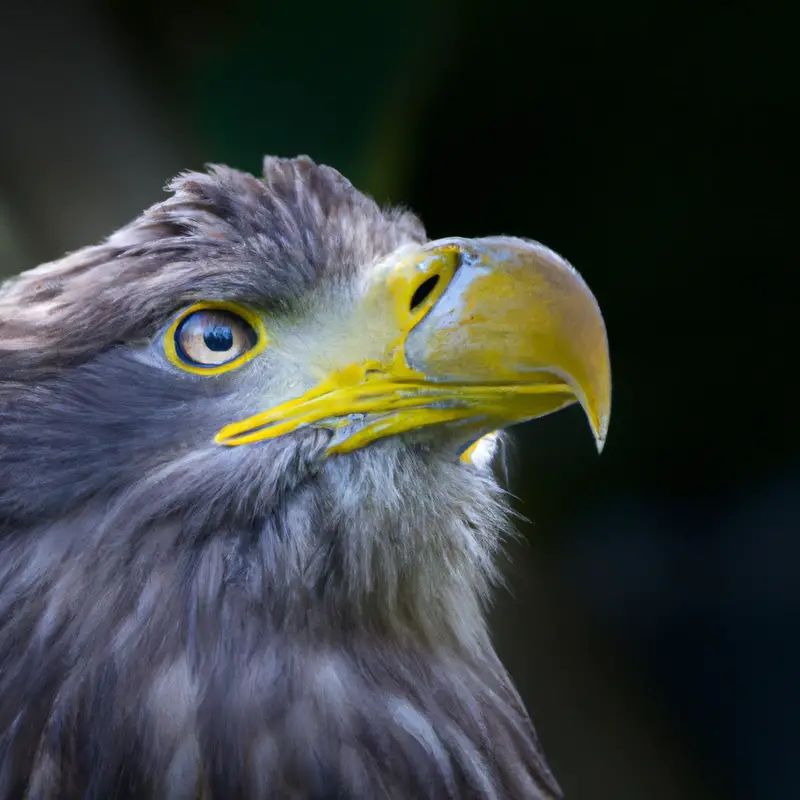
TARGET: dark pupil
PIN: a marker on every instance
(219, 338)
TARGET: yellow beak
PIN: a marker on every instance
(472, 335)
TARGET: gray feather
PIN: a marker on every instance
(181, 620)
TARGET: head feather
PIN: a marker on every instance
(183, 620)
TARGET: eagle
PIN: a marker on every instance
(249, 518)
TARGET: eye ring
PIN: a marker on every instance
(250, 338)
(213, 338)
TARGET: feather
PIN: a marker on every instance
(180, 620)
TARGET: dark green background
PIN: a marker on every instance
(654, 620)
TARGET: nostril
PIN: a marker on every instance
(423, 291)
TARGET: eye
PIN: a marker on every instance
(212, 339)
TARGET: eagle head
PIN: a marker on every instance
(247, 510)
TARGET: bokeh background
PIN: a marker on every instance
(654, 615)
